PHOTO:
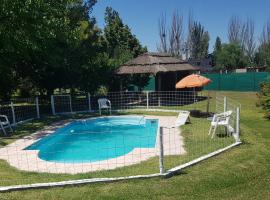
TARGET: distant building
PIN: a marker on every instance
(204, 64)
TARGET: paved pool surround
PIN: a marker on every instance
(28, 160)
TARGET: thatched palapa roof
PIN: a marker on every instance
(152, 63)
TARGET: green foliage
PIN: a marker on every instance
(217, 49)
(264, 97)
(119, 37)
(230, 56)
(200, 41)
(49, 45)
(262, 56)
(122, 46)
(102, 90)
(44, 43)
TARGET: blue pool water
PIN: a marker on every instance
(97, 139)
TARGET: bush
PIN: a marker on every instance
(264, 97)
(102, 91)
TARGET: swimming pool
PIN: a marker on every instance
(97, 139)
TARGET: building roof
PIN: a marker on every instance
(152, 63)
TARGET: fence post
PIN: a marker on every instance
(237, 138)
(52, 105)
(147, 99)
(89, 101)
(70, 103)
(225, 104)
(159, 103)
(13, 113)
(37, 108)
(161, 152)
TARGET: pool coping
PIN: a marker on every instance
(28, 160)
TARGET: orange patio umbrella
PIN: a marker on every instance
(192, 81)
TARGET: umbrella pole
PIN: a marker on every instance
(208, 102)
(194, 99)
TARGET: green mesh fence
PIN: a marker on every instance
(237, 81)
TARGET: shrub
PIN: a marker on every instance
(102, 91)
(264, 97)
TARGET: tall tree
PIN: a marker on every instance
(171, 39)
(249, 39)
(122, 45)
(199, 41)
(217, 49)
(235, 30)
(162, 28)
(218, 45)
(176, 35)
(262, 56)
(118, 35)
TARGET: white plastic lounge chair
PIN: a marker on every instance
(104, 103)
(221, 119)
(182, 118)
(4, 123)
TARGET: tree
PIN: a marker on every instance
(122, 45)
(176, 35)
(163, 46)
(264, 97)
(249, 40)
(40, 41)
(171, 43)
(199, 41)
(262, 56)
(235, 30)
(118, 35)
(218, 44)
(217, 49)
(230, 57)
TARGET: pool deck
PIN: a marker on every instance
(28, 160)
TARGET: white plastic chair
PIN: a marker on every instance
(104, 103)
(221, 119)
(4, 123)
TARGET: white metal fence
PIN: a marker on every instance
(153, 148)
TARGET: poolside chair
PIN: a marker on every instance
(4, 123)
(221, 119)
(182, 118)
(104, 103)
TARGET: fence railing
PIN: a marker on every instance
(151, 144)
(189, 100)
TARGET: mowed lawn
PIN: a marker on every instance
(241, 173)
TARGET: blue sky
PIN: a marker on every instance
(142, 15)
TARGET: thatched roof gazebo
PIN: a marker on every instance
(166, 69)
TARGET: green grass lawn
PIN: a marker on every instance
(241, 173)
